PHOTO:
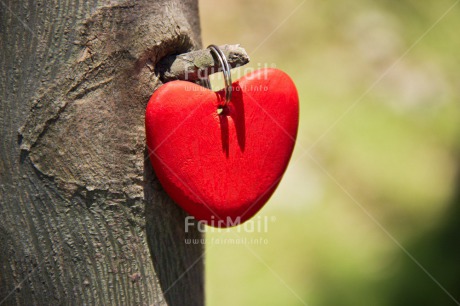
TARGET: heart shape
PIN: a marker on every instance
(222, 168)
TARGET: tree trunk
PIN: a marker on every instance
(83, 219)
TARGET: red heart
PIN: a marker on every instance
(223, 168)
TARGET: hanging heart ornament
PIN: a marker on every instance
(221, 161)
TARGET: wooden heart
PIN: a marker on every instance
(222, 168)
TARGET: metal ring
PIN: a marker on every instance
(226, 71)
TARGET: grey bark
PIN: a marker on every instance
(83, 220)
(196, 65)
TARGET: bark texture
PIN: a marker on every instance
(197, 65)
(83, 220)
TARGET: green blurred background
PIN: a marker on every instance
(368, 210)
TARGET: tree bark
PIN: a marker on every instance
(198, 65)
(83, 219)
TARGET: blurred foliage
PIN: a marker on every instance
(367, 213)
